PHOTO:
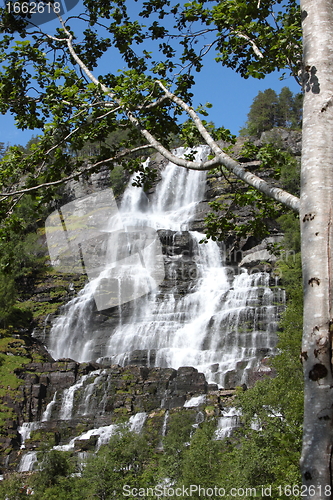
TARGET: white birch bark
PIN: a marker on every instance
(316, 233)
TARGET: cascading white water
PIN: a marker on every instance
(68, 397)
(82, 391)
(218, 327)
(227, 423)
(25, 430)
(48, 410)
(27, 462)
(195, 401)
(28, 459)
(104, 433)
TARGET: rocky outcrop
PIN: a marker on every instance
(135, 388)
(64, 399)
(290, 140)
(260, 256)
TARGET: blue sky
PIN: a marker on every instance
(230, 95)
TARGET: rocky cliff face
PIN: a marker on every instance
(63, 400)
(71, 406)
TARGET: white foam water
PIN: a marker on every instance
(27, 461)
(195, 401)
(25, 431)
(227, 423)
(104, 433)
(218, 327)
(48, 410)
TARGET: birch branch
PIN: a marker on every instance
(220, 158)
(152, 104)
(74, 175)
(232, 165)
(255, 48)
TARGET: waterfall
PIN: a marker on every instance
(165, 421)
(48, 410)
(68, 396)
(27, 462)
(160, 446)
(25, 430)
(227, 423)
(104, 433)
(226, 319)
(195, 401)
(29, 458)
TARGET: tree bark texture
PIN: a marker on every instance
(316, 210)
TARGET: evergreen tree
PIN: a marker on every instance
(285, 107)
(270, 110)
(263, 112)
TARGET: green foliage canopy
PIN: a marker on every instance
(45, 76)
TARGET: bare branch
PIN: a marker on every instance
(10, 211)
(74, 175)
(203, 52)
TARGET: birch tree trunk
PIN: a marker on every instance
(317, 240)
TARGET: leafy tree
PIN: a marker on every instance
(201, 464)
(14, 488)
(174, 446)
(66, 487)
(7, 299)
(48, 82)
(55, 479)
(21, 257)
(55, 464)
(126, 460)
